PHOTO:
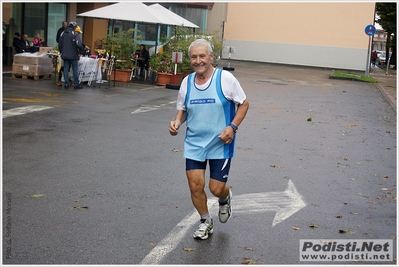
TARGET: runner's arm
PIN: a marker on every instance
(174, 125)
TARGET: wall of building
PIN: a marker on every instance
(94, 29)
(312, 34)
(216, 17)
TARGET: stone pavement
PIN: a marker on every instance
(387, 83)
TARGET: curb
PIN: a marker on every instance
(387, 98)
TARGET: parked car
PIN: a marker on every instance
(382, 58)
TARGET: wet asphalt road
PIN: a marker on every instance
(88, 182)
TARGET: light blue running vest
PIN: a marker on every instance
(208, 113)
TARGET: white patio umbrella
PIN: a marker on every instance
(138, 12)
(129, 11)
(169, 17)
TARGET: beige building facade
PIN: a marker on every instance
(319, 34)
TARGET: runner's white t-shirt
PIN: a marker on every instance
(231, 88)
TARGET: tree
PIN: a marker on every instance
(387, 19)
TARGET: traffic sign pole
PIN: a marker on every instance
(370, 31)
(368, 59)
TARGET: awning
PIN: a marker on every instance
(170, 18)
(139, 12)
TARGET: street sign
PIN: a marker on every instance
(370, 30)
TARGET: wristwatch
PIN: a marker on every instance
(235, 128)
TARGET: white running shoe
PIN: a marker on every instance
(204, 229)
(225, 211)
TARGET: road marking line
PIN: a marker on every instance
(174, 237)
(284, 203)
(23, 110)
(151, 107)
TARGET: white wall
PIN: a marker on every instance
(298, 54)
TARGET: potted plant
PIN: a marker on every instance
(161, 64)
(181, 41)
(121, 45)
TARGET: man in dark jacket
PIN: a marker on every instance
(143, 59)
(70, 44)
(18, 44)
(61, 30)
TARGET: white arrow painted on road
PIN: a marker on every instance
(151, 107)
(284, 203)
(23, 110)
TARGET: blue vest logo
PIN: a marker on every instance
(203, 101)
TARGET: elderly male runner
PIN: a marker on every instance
(213, 105)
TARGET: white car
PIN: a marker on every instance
(382, 59)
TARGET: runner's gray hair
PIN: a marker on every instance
(200, 42)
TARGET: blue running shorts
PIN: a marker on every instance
(219, 168)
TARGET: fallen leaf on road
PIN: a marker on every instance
(188, 249)
(339, 216)
(313, 226)
(345, 158)
(353, 212)
(309, 119)
(248, 248)
(249, 261)
(37, 195)
(348, 232)
(153, 244)
(176, 150)
(351, 125)
(81, 208)
(296, 228)
(352, 179)
(273, 165)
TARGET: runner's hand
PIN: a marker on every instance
(174, 127)
(227, 135)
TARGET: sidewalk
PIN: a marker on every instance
(387, 83)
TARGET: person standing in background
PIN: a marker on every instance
(60, 30)
(70, 44)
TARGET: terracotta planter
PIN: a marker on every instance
(122, 75)
(163, 78)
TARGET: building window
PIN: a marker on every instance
(35, 19)
(195, 15)
(56, 15)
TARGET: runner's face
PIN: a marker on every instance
(200, 60)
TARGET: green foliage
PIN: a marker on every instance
(387, 19)
(121, 45)
(183, 38)
(162, 63)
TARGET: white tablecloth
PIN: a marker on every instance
(89, 66)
